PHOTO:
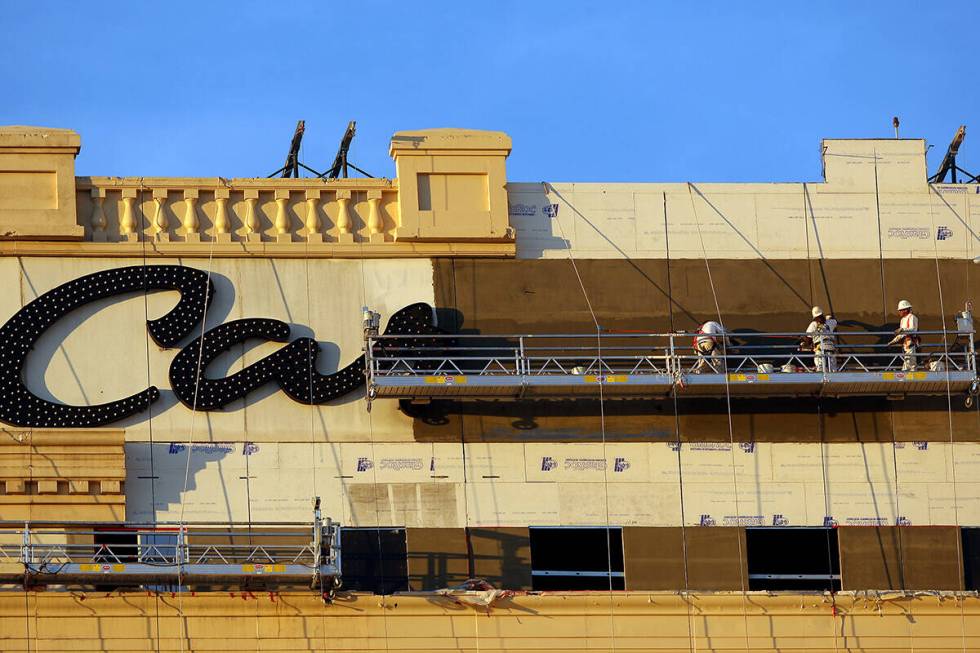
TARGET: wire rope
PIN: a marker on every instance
(470, 555)
(678, 439)
(821, 427)
(895, 474)
(600, 378)
(728, 404)
(377, 508)
(189, 447)
(146, 342)
(314, 410)
(947, 363)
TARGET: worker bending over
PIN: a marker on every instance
(708, 344)
(907, 334)
(820, 337)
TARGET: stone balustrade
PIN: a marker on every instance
(215, 210)
(449, 199)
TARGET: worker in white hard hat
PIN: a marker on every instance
(708, 347)
(907, 334)
(820, 337)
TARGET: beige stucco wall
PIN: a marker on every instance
(543, 622)
(37, 183)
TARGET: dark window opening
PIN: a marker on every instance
(374, 560)
(793, 559)
(116, 546)
(577, 559)
(971, 559)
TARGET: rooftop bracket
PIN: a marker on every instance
(948, 164)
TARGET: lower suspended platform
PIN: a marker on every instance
(119, 554)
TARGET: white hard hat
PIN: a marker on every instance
(904, 304)
(816, 311)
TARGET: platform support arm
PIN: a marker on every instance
(26, 554)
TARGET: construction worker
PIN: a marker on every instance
(907, 334)
(708, 345)
(819, 337)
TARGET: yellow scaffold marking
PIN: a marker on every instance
(263, 569)
(749, 378)
(446, 380)
(904, 376)
(101, 568)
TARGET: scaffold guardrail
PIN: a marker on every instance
(162, 554)
(854, 363)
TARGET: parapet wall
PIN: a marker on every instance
(449, 198)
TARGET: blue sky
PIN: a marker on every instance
(589, 91)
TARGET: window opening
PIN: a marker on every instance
(564, 558)
(374, 560)
(971, 558)
(117, 545)
(793, 559)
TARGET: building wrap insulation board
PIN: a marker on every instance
(452, 485)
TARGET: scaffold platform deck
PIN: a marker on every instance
(658, 365)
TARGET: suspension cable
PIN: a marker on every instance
(691, 629)
(314, 410)
(946, 362)
(742, 560)
(884, 319)
(190, 445)
(600, 376)
(377, 508)
(821, 429)
(470, 555)
(146, 340)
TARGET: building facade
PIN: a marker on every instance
(563, 450)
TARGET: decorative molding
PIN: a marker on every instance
(237, 249)
(451, 197)
(57, 474)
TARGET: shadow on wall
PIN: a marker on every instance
(51, 346)
(804, 302)
(664, 292)
(531, 216)
(439, 558)
(584, 418)
(754, 286)
(754, 295)
(159, 475)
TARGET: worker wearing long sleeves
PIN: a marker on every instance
(907, 334)
(820, 335)
(708, 347)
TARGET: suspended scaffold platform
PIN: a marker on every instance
(656, 365)
(121, 554)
